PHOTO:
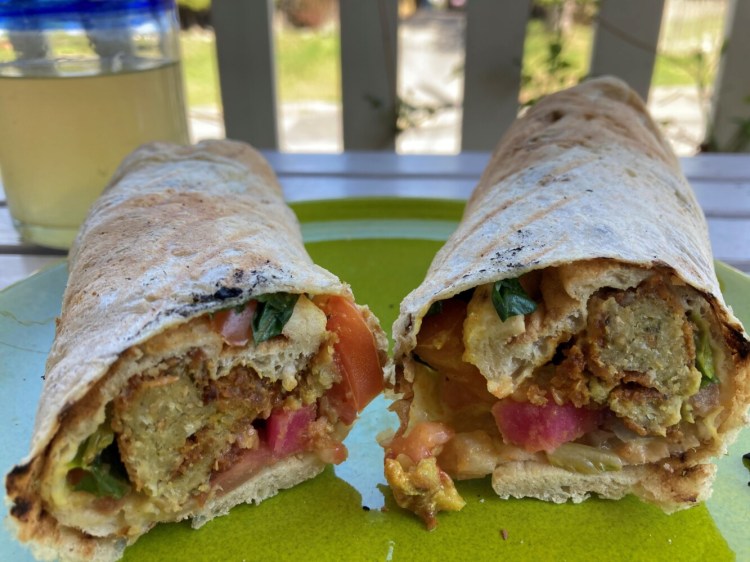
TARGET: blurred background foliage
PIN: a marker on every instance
(558, 43)
(556, 53)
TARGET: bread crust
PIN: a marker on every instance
(671, 488)
(48, 540)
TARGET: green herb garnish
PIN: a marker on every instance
(746, 460)
(272, 314)
(99, 461)
(99, 480)
(435, 308)
(704, 356)
(510, 299)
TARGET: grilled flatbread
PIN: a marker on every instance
(570, 338)
(201, 359)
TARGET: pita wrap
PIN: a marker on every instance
(200, 360)
(570, 338)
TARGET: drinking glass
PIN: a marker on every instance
(82, 84)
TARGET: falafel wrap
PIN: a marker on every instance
(570, 338)
(201, 359)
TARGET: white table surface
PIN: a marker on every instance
(721, 183)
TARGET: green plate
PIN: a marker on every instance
(382, 247)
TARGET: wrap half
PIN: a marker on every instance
(570, 338)
(201, 359)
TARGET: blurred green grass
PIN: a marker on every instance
(307, 66)
(199, 68)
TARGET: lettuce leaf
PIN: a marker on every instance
(98, 466)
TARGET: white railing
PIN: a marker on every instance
(625, 45)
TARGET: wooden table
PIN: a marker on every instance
(721, 182)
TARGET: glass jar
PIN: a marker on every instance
(82, 84)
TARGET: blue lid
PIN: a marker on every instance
(45, 14)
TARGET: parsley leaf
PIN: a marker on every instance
(510, 299)
(435, 308)
(272, 314)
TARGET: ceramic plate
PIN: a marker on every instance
(382, 247)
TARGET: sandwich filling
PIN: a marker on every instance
(197, 411)
(554, 369)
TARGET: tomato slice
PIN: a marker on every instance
(243, 467)
(286, 429)
(355, 354)
(341, 399)
(542, 428)
(233, 325)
